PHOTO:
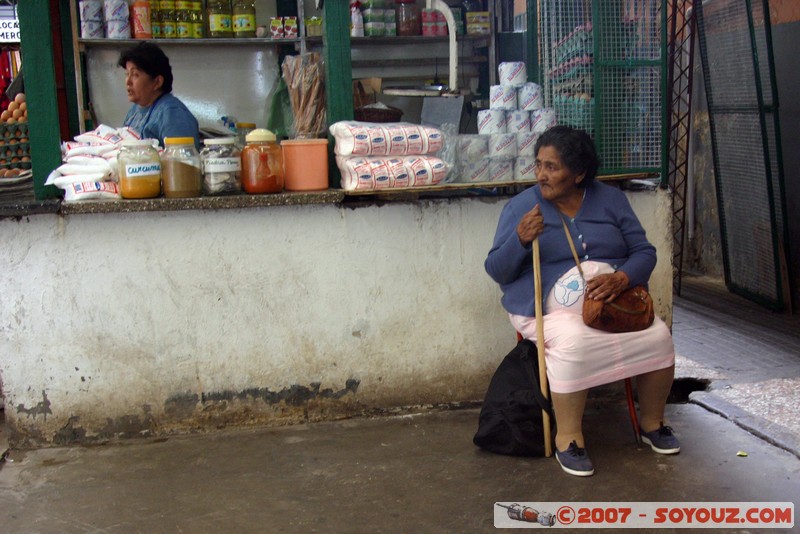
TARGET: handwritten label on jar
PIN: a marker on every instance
(138, 170)
(211, 165)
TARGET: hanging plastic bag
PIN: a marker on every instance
(279, 119)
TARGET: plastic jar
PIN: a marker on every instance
(244, 18)
(222, 166)
(262, 163)
(409, 17)
(219, 18)
(139, 169)
(180, 165)
(305, 164)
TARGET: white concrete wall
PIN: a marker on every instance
(126, 324)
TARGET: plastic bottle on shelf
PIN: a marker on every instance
(409, 17)
(180, 168)
(219, 18)
(168, 24)
(140, 19)
(244, 18)
(242, 129)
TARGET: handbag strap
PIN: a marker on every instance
(572, 247)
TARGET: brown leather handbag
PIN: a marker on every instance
(631, 311)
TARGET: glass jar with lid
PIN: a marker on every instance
(262, 163)
(139, 169)
(244, 18)
(222, 166)
(409, 17)
(183, 19)
(168, 22)
(219, 18)
(180, 165)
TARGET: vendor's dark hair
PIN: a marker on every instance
(151, 59)
(576, 149)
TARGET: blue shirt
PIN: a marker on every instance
(605, 229)
(166, 117)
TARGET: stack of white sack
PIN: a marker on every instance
(385, 155)
(89, 170)
(507, 131)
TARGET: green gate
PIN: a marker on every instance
(604, 70)
(736, 50)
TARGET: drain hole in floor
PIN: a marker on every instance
(683, 387)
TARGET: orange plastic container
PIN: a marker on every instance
(305, 164)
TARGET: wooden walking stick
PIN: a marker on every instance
(537, 283)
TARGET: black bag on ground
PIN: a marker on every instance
(511, 420)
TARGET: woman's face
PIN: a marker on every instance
(142, 88)
(556, 181)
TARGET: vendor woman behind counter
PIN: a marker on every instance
(155, 113)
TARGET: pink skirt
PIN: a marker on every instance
(579, 357)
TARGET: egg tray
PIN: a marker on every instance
(18, 130)
(14, 153)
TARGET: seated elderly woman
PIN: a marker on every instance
(155, 113)
(614, 254)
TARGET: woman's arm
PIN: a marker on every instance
(508, 257)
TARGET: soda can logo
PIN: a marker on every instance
(361, 137)
(413, 137)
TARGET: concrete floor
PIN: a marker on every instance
(415, 473)
(420, 472)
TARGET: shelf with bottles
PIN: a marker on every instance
(209, 41)
(187, 22)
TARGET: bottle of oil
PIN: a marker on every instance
(168, 22)
(183, 19)
(198, 24)
(155, 18)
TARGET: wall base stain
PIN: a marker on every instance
(42, 408)
(295, 395)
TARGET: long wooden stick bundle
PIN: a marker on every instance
(304, 76)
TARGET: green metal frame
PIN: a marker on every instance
(40, 90)
(338, 72)
(532, 65)
(779, 303)
(601, 65)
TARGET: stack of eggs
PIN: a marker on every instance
(14, 147)
(503, 150)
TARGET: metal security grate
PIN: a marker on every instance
(603, 69)
(739, 78)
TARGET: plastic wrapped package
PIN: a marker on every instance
(355, 138)
(361, 173)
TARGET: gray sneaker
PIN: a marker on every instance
(575, 461)
(662, 440)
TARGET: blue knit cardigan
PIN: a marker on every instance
(605, 229)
